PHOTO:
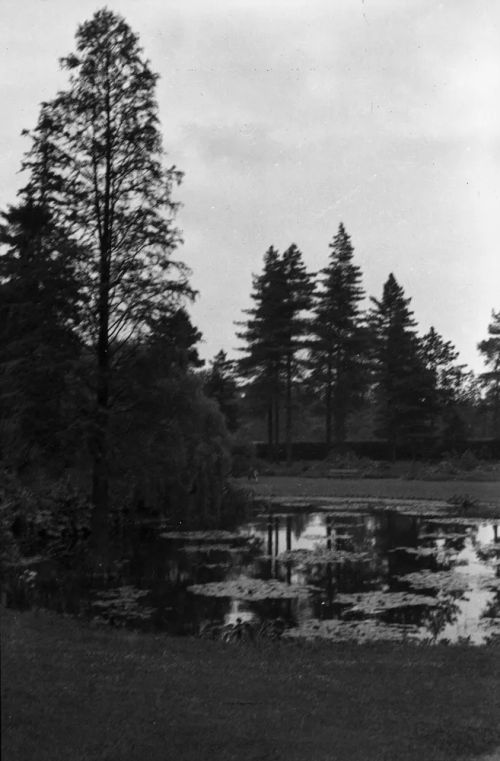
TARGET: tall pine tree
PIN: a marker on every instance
(98, 147)
(262, 333)
(40, 307)
(275, 335)
(490, 379)
(299, 289)
(338, 341)
(448, 379)
(402, 384)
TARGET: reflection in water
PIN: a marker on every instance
(451, 563)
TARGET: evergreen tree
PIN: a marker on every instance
(338, 338)
(97, 154)
(403, 386)
(490, 379)
(39, 348)
(448, 385)
(299, 289)
(275, 335)
(262, 364)
(220, 384)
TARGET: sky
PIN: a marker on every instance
(291, 116)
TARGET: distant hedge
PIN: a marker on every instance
(485, 449)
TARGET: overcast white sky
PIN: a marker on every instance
(289, 116)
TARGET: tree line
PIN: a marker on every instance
(308, 335)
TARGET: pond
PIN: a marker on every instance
(301, 572)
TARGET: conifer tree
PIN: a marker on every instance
(299, 289)
(97, 155)
(490, 379)
(263, 335)
(39, 345)
(403, 385)
(448, 383)
(220, 384)
(338, 338)
(274, 336)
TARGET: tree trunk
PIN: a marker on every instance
(100, 476)
(288, 409)
(328, 403)
(276, 428)
(270, 430)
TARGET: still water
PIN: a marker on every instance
(334, 573)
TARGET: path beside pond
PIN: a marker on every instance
(290, 486)
(75, 692)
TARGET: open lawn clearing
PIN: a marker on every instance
(88, 694)
(390, 488)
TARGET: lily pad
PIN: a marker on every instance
(320, 556)
(207, 548)
(378, 602)
(443, 581)
(202, 536)
(352, 631)
(251, 589)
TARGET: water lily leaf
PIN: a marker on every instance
(378, 602)
(320, 556)
(251, 589)
(203, 536)
(443, 581)
(352, 631)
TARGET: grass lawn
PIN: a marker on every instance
(75, 693)
(295, 486)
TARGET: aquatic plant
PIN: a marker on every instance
(352, 631)
(371, 603)
(246, 588)
(444, 581)
(203, 536)
(320, 556)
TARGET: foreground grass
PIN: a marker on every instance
(295, 486)
(73, 692)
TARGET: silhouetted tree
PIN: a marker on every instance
(275, 335)
(299, 289)
(403, 386)
(40, 306)
(98, 146)
(263, 335)
(490, 379)
(449, 384)
(220, 384)
(338, 344)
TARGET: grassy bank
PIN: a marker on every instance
(390, 488)
(73, 692)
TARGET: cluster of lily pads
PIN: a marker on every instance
(245, 588)
(320, 556)
(372, 603)
(203, 536)
(443, 581)
(352, 631)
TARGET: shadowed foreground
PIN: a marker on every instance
(74, 692)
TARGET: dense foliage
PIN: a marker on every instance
(98, 355)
